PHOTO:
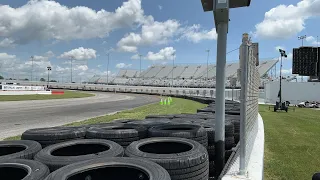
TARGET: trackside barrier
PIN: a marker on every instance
(247, 161)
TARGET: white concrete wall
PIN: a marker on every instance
(294, 92)
(24, 92)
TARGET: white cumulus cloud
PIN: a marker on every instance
(167, 53)
(79, 54)
(50, 20)
(285, 21)
(152, 33)
(195, 34)
(123, 65)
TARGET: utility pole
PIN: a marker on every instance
(140, 55)
(71, 59)
(302, 38)
(208, 51)
(108, 69)
(31, 66)
(173, 58)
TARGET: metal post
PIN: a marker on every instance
(71, 68)
(140, 63)
(172, 69)
(208, 51)
(108, 69)
(48, 77)
(280, 81)
(243, 105)
(32, 67)
(222, 30)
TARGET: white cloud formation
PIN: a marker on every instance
(286, 21)
(312, 40)
(7, 42)
(167, 53)
(123, 65)
(152, 33)
(195, 34)
(79, 54)
(49, 54)
(136, 56)
(160, 7)
(49, 20)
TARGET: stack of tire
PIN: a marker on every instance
(188, 131)
(123, 134)
(184, 159)
(54, 135)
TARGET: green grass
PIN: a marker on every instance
(177, 107)
(292, 146)
(67, 94)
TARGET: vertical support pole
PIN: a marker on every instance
(222, 30)
(280, 82)
(244, 58)
(108, 70)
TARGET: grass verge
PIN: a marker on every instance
(177, 107)
(291, 143)
(67, 94)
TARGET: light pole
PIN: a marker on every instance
(220, 10)
(208, 51)
(71, 60)
(32, 57)
(108, 69)
(283, 54)
(49, 69)
(302, 38)
(140, 55)
(173, 58)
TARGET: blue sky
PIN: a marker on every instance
(27, 29)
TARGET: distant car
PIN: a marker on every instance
(307, 104)
(302, 104)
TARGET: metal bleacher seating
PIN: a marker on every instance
(183, 75)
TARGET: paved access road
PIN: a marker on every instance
(18, 116)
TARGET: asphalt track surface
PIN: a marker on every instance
(18, 116)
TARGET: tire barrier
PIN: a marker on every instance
(53, 135)
(188, 131)
(65, 153)
(83, 150)
(19, 149)
(112, 169)
(185, 159)
(123, 134)
(16, 169)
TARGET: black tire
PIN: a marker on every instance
(54, 133)
(148, 123)
(117, 131)
(159, 116)
(48, 143)
(229, 129)
(228, 153)
(23, 169)
(19, 149)
(236, 138)
(173, 154)
(189, 131)
(62, 154)
(211, 152)
(212, 169)
(113, 169)
(229, 143)
(210, 134)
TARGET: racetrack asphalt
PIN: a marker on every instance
(18, 116)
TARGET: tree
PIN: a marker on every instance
(42, 79)
(26, 79)
(1, 77)
(53, 80)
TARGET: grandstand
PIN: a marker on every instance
(177, 76)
